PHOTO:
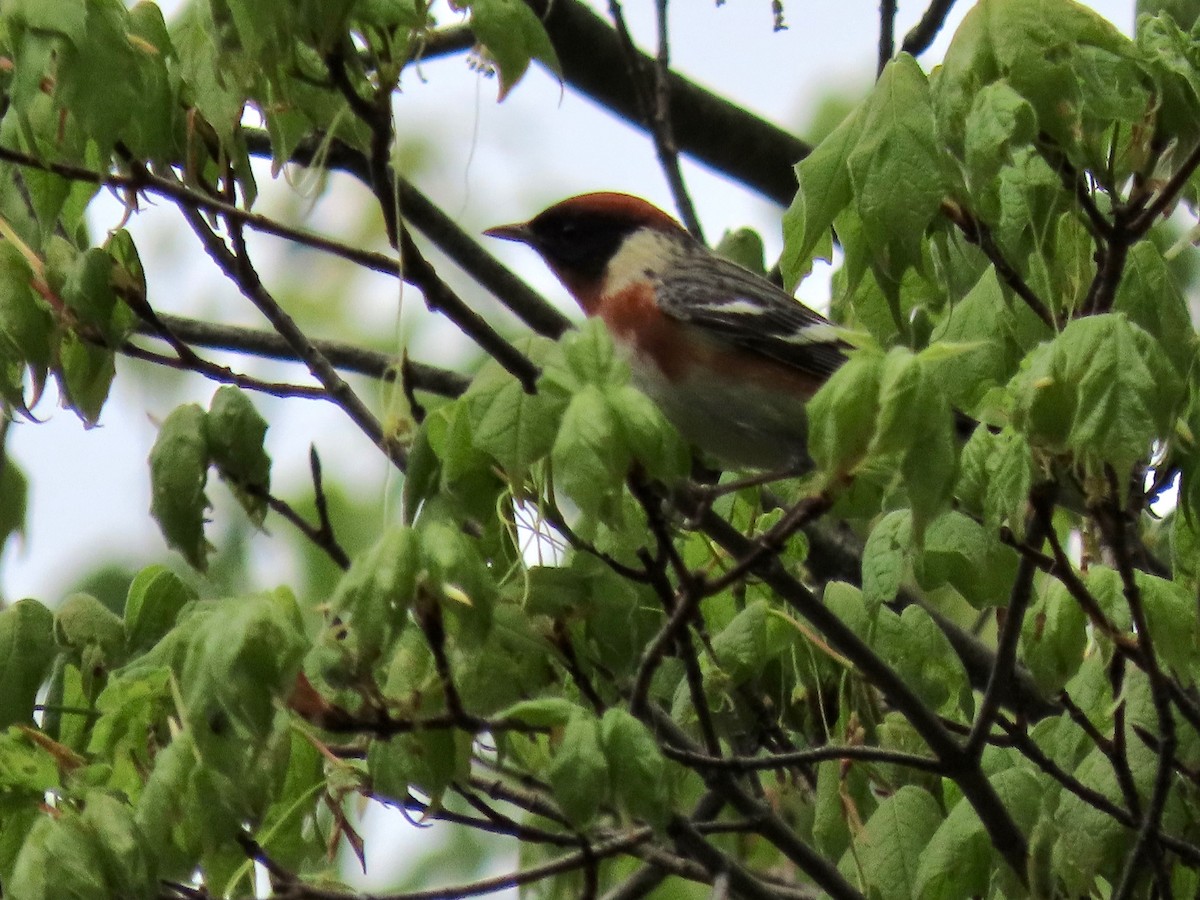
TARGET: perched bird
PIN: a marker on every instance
(730, 358)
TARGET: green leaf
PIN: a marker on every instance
(65, 17)
(651, 439)
(999, 119)
(94, 854)
(896, 166)
(823, 191)
(86, 376)
(513, 35)
(240, 661)
(744, 247)
(579, 773)
(1101, 388)
(637, 769)
(1171, 615)
(14, 498)
(178, 474)
(235, 432)
(957, 551)
(374, 596)
(1090, 841)
(885, 557)
(924, 658)
(515, 427)
(844, 413)
(156, 597)
(88, 292)
(1053, 638)
(426, 760)
(1151, 299)
(26, 652)
(889, 846)
(748, 643)
(958, 859)
(590, 458)
(545, 712)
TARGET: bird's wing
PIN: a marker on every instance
(736, 306)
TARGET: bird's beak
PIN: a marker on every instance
(519, 232)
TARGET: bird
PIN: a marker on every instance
(730, 358)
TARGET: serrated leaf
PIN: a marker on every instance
(1053, 638)
(637, 769)
(374, 596)
(1171, 616)
(426, 760)
(924, 658)
(14, 497)
(544, 712)
(1151, 299)
(240, 661)
(889, 846)
(958, 859)
(823, 191)
(515, 427)
(896, 167)
(589, 454)
(958, 552)
(885, 557)
(744, 247)
(651, 439)
(178, 474)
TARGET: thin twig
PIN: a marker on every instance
(1019, 599)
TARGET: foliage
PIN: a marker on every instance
(769, 694)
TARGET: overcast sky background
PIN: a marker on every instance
(497, 163)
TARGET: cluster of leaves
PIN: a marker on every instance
(563, 641)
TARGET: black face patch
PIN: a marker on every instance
(582, 242)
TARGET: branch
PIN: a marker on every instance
(707, 127)
(742, 764)
(344, 355)
(978, 233)
(1042, 500)
(768, 823)
(887, 34)
(918, 39)
(1003, 831)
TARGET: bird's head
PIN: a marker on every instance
(594, 241)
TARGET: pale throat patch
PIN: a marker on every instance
(646, 253)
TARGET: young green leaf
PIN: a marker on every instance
(178, 474)
(844, 413)
(1053, 638)
(637, 769)
(889, 846)
(885, 557)
(26, 652)
(579, 772)
(513, 35)
(156, 596)
(823, 191)
(235, 432)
